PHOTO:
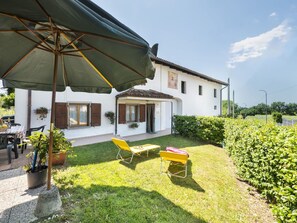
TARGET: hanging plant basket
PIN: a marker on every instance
(42, 112)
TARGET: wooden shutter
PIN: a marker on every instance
(122, 113)
(95, 114)
(61, 116)
(141, 113)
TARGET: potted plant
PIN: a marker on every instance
(133, 125)
(60, 147)
(37, 169)
(110, 116)
(42, 112)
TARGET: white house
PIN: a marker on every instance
(174, 90)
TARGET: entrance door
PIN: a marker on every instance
(150, 118)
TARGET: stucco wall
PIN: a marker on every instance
(190, 103)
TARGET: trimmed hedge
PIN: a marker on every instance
(266, 157)
(208, 129)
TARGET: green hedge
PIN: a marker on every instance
(208, 129)
(266, 156)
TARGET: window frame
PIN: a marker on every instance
(78, 105)
(200, 90)
(129, 114)
(183, 87)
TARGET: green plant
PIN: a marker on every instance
(151, 197)
(209, 129)
(60, 143)
(277, 117)
(133, 125)
(266, 157)
(37, 157)
(110, 116)
(42, 112)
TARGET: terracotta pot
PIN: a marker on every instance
(59, 158)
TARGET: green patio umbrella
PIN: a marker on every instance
(50, 44)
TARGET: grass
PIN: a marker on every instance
(97, 188)
(269, 117)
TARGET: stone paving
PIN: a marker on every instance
(17, 202)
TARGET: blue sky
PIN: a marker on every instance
(254, 43)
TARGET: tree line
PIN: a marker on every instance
(260, 109)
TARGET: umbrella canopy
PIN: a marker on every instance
(95, 51)
(50, 44)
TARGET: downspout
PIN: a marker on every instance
(116, 117)
(171, 116)
(29, 109)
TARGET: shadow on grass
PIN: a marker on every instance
(187, 182)
(139, 159)
(107, 151)
(120, 204)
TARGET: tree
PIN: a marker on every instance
(8, 101)
(291, 109)
(278, 107)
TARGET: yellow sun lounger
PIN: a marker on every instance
(177, 160)
(135, 150)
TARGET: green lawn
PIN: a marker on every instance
(97, 188)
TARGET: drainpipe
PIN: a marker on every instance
(116, 117)
(171, 116)
(29, 109)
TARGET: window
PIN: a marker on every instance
(183, 87)
(131, 113)
(78, 115)
(215, 107)
(200, 90)
(215, 93)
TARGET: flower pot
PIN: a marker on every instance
(59, 158)
(37, 178)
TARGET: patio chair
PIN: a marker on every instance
(4, 144)
(175, 159)
(29, 133)
(134, 150)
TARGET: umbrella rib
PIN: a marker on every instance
(81, 32)
(39, 45)
(70, 54)
(88, 61)
(23, 30)
(20, 60)
(34, 33)
(42, 9)
(72, 42)
(114, 59)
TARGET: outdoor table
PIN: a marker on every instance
(14, 132)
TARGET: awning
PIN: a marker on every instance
(138, 94)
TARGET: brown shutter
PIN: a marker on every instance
(95, 114)
(61, 115)
(122, 113)
(141, 113)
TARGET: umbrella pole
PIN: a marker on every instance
(51, 142)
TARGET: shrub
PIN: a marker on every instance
(266, 157)
(209, 129)
(277, 117)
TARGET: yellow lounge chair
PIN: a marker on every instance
(175, 159)
(135, 150)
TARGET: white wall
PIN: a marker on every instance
(190, 103)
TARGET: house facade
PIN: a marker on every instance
(147, 108)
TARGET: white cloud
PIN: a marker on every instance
(253, 47)
(272, 14)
